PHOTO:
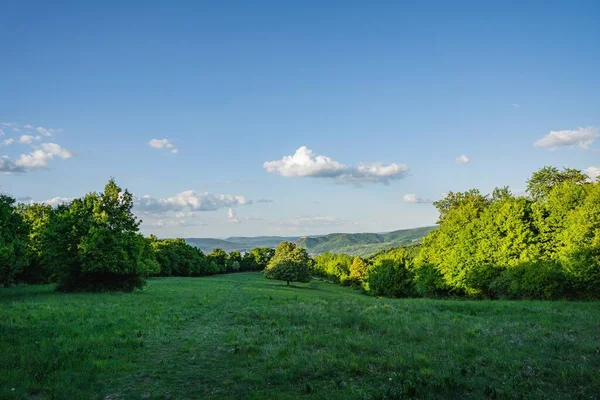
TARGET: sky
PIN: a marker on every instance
(237, 118)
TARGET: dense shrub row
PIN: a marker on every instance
(542, 245)
(93, 244)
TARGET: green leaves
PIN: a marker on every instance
(290, 263)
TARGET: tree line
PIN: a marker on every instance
(93, 243)
(544, 244)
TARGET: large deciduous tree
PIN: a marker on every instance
(94, 244)
(13, 241)
(290, 263)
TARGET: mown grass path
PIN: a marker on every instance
(241, 336)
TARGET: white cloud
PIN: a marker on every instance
(28, 139)
(16, 130)
(303, 163)
(44, 131)
(8, 142)
(462, 159)
(580, 137)
(163, 144)
(40, 158)
(189, 200)
(2, 132)
(414, 199)
(36, 159)
(231, 216)
(27, 126)
(8, 166)
(593, 172)
(56, 150)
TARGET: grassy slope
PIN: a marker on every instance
(241, 336)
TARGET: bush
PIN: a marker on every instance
(429, 282)
(535, 280)
(390, 276)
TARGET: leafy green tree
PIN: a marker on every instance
(358, 270)
(257, 259)
(543, 181)
(177, 258)
(234, 260)
(94, 243)
(219, 258)
(14, 254)
(36, 216)
(290, 263)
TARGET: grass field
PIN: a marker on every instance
(242, 336)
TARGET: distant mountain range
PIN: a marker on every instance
(359, 244)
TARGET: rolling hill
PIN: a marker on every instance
(359, 244)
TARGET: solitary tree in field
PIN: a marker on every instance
(290, 263)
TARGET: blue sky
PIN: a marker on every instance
(389, 94)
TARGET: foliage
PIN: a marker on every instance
(290, 264)
(334, 267)
(545, 245)
(390, 275)
(93, 244)
(177, 258)
(36, 216)
(14, 254)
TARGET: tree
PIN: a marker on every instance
(234, 260)
(541, 182)
(37, 217)
(219, 258)
(290, 263)
(94, 244)
(13, 241)
(358, 269)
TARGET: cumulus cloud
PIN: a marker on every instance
(580, 137)
(462, 159)
(8, 142)
(34, 160)
(28, 139)
(189, 200)
(40, 158)
(8, 166)
(303, 163)
(56, 150)
(414, 199)
(593, 172)
(163, 144)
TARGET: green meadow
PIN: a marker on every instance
(243, 336)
